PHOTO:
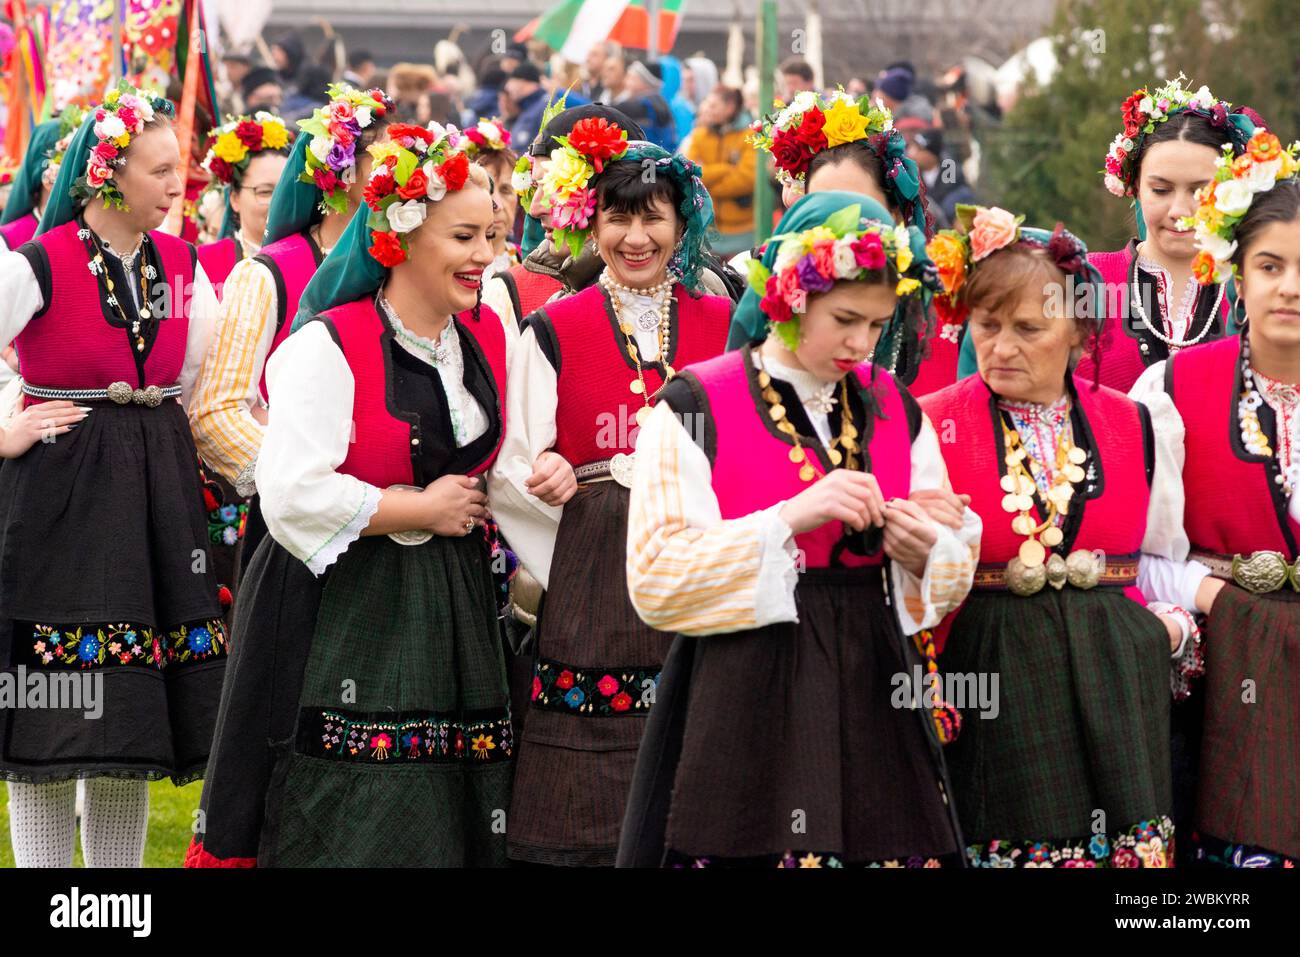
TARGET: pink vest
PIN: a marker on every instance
(21, 230)
(752, 468)
(382, 447)
(595, 404)
(72, 346)
(1121, 356)
(1231, 504)
(292, 262)
(217, 259)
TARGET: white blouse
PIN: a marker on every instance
(678, 541)
(20, 294)
(311, 509)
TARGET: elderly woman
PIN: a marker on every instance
(369, 685)
(1232, 409)
(1075, 769)
(583, 378)
(769, 524)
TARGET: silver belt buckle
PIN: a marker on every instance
(416, 536)
(621, 467)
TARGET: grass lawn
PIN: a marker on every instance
(171, 814)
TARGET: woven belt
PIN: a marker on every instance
(617, 469)
(1081, 569)
(1260, 573)
(119, 392)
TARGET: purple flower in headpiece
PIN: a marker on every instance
(895, 169)
(1218, 115)
(341, 156)
(809, 278)
(1066, 250)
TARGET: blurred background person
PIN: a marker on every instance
(796, 76)
(361, 69)
(643, 101)
(945, 183)
(262, 89)
(524, 91)
(727, 164)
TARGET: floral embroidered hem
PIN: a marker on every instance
(423, 738)
(1214, 851)
(95, 646)
(602, 692)
(791, 860)
(1146, 844)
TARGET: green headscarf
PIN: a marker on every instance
(749, 324)
(293, 206)
(62, 208)
(349, 272)
(695, 210)
(27, 183)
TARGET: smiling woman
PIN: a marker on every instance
(110, 319)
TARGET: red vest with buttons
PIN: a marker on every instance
(1114, 522)
(382, 444)
(292, 262)
(752, 468)
(217, 259)
(595, 413)
(1229, 492)
(71, 344)
(21, 230)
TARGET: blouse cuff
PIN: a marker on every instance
(246, 480)
(338, 543)
(778, 571)
(919, 602)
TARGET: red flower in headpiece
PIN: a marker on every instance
(1133, 117)
(222, 170)
(790, 153)
(379, 185)
(597, 139)
(326, 181)
(399, 130)
(387, 249)
(250, 134)
(454, 171)
(810, 131)
(415, 187)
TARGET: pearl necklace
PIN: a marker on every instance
(1253, 438)
(1170, 341)
(648, 320)
(638, 385)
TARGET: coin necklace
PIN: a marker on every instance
(847, 439)
(638, 385)
(106, 285)
(1018, 484)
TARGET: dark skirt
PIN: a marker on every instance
(596, 666)
(1249, 785)
(366, 720)
(783, 745)
(106, 580)
(1074, 768)
(227, 523)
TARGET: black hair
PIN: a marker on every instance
(859, 153)
(731, 97)
(1186, 126)
(1281, 204)
(358, 57)
(622, 188)
(795, 66)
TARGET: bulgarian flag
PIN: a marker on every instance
(573, 27)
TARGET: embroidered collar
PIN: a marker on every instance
(816, 396)
(1049, 412)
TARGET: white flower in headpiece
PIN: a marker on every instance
(1114, 185)
(404, 217)
(1260, 177)
(110, 128)
(1146, 105)
(846, 261)
(521, 181)
(788, 253)
(349, 174)
(362, 116)
(437, 187)
(490, 132)
(1232, 197)
(320, 147)
(804, 101)
(1202, 99)
(1215, 245)
(437, 129)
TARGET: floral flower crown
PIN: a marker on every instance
(845, 246)
(487, 136)
(591, 144)
(414, 164)
(1223, 202)
(242, 137)
(124, 113)
(983, 231)
(1143, 111)
(334, 130)
(796, 133)
(70, 120)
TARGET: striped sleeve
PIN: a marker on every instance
(227, 435)
(688, 570)
(950, 569)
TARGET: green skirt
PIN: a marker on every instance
(403, 750)
(1072, 768)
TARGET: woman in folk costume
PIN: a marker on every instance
(583, 377)
(30, 192)
(1232, 409)
(367, 675)
(549, 270)
(769, 526)
(487, 143)
(111, 319)
(1080, 506)
(318, 191)
(246, 158)
(1154, 305)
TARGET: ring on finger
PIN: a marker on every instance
(469, 526)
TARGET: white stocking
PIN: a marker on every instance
(43, 823)
(114, 822)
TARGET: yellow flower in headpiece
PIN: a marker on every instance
(381, 151)
(1289, 165)
(817, 234)
(113, 96)
(274, 136)
(1209, 216)
(844, 124)
(904, 258)
(568, 171)
(230, 148)
(907, 286)
(123, 141)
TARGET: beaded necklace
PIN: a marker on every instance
(847, 439)
(1019, 486)
(660, 323)
(107, 287)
